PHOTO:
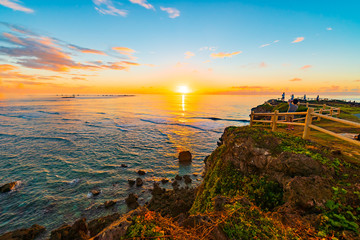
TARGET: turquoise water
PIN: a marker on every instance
(61, 148)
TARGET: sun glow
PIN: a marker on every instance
(183, 89)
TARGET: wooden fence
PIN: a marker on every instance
(325, 112)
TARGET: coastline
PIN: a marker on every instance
(262, 188)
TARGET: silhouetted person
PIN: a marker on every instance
(317, 98)
(292, 108)
(283, 97)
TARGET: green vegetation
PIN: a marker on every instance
(145, 227)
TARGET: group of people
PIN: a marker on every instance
(292, 97)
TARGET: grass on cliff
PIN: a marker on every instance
(340, 214)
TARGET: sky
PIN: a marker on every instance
(157, 47)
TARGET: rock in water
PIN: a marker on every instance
(185, 156)
(131, 201)
(178, 177)
(8, 187)
(141, 172)
(139, 182)
(25, 233)
(110, 203)
(187, 179)
(164, 180)
(95, 192)
(131, 182)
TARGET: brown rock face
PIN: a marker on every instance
(139, 182)
(185, 156)
(79, 230)
(7, 187)
(23, 234)
(97, 225)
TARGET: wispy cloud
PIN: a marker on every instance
(305, 67)
(180, 64)
(143, 3)
(298, 39)
(223, 54)
(189, 54)
(125, 51)
(207, 48)
(15, 5)
(46, 53)
(329, 29)
(268, 44)
(295, 80)
(87, 50)
(107, 7)
(173, 12)
(263, 65)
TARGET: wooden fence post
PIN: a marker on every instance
(331, 111)
(251, 118)
(321, 110)
(274, 120)
(307, 104)
(308, 121)
(338, 112)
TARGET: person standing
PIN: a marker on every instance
(317, 98)
(283, 97)
(292, 97)
(304, 97)
(292, 108)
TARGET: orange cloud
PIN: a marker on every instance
(41, 52)
(223, 54)
(305, 67)
(262, 65)
(295, 79)
(298, 39)
(7, 67)
(125, 51)
(189, 54)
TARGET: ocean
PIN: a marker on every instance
(59, 149)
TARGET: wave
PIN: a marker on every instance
(58, 139)
(222, 119)
(7, 135)
(55, 113)
(179, 124)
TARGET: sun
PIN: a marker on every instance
(183, 89)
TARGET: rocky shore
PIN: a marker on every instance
(257, 184)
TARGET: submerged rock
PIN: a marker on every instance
(95, 192)
(25, 233)
(185, 156)
(139, 182)
(7, 187)
(124, 165)
(178, 177)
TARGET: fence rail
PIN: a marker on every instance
(326, 112)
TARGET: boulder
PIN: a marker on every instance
(178, 177)
(185, 156)
(131, 182)
(7, 187)
(139, 182)
(25, 233)
(187, 179)
(131, 201)
(141, 172)
(95, 192)
(110, 203)
(124, 165)
(164, 180)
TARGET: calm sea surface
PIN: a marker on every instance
(58, 149)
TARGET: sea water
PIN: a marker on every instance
(59, 149)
